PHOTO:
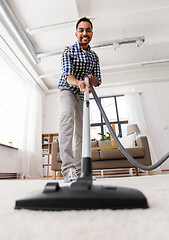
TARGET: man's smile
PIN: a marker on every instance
(85, 37)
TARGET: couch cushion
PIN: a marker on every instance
(95, 156)
(116, 154)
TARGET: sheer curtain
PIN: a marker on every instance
(21, 102)
(11, 94)
(30, 143)
(136, 115)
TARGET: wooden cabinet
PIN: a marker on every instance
(47, 139)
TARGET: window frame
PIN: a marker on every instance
(118, 122)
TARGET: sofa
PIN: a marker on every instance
(105, 156)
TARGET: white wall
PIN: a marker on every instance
(51, 114)
(155, 99)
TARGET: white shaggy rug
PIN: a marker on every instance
(147, 224)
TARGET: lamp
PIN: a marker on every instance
(139, 42)
(133, 128)
(136, 40)
(116, 45)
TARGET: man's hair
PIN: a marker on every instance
(84, 19)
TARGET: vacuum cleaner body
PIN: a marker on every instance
(82, 195)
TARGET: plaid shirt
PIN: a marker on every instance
(79, 64)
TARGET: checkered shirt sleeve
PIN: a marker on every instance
(66, 62)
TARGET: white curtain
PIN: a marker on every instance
(136, 115)
(30, 143)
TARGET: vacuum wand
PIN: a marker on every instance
(123, 150)
(86, 146)
(86, 163)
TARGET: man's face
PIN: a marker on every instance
(84, 34)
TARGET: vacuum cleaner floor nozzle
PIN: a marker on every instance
(82, 196)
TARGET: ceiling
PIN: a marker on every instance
(49, 26)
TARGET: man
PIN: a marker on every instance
(77, 62)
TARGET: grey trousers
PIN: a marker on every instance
(70, 134)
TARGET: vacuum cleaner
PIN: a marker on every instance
(83, 194)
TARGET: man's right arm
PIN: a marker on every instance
(71, 80)
(67, 69)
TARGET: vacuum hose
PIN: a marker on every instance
(123, 150)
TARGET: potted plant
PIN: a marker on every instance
(105, 136)
(45, 140)
(93, 139)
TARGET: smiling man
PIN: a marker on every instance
(77, 62)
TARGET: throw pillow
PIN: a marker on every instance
(128, 141)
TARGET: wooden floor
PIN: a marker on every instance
(109, 173)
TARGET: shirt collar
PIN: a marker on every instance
(80, 48)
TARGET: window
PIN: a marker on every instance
(11, 95)
(116, 111)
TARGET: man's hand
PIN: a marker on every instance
(81, 84)
(82, 87)
(93, 81)
(76, 83)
